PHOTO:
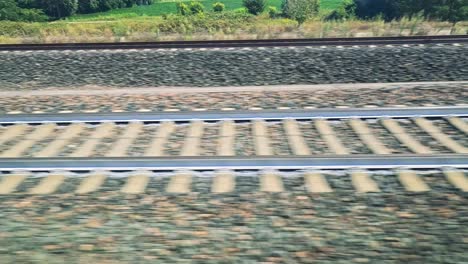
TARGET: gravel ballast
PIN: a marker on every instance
(233, 67)
(441, 94)
(246, 226)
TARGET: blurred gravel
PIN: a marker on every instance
(278, 139)
(175, 141)
(210, 139)
(424, 138)
(437, 94)
(244, 145)
(387, 138)
(10, 143)
(253, 66)
(76, 142)
(349, 138)
(143, 140)
(107, 143)
(454, 133)
(313, 138)
(41, 144)
(241, 227)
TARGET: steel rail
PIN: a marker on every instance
(326, 113)
(242, 43)
(216, 163)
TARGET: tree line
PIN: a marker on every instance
(300, 10)
(42, 10)
(446, 10)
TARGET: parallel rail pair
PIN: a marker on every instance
(233, 162)
(242, 43)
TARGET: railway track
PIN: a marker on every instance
(241, 43)
(249, 63)
(423, 130)
(365, 173)
(402, 141)
(289, 185)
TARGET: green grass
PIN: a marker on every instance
(329, 4)
(166, 7)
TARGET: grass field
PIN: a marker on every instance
(169, 7)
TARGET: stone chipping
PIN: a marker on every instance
(233, 67)
(245, 226)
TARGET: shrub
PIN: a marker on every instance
(241, 10)
(210, 22)
(183, 9)
(196, 8)
(88, 6)
(346, 10)
(254, 7)
(450, 10)
(389, 9)
(33, 15)
(218, 7)
(59, 8)
(10, 11)
(273, 12)
(300, 10)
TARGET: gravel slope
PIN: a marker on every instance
(436, 94)
(243, 227)
(233, 67)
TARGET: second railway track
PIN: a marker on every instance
(241, 43)
(426, 130)
(292, 185)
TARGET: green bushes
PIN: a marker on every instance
(300, 10)
(388, 9)
(192, 8)
(9, 10)
(183, 9)
(59, 8)
(19, 29)
(218, 7)
(91, 6)
(273, 12)
(210, 22)
(33, 10)
(453, 11)
(196, 8)
(254, 7)
(447, 10)
(346, 10)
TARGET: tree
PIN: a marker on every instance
(273, 12)
(59, 8)
(447, 10)
(9, 10)
(183, 9)
(196, 8)
(346, 10)
(218, 7)
(254, 7)
(389, 9)
(452, 10)
(88, 6)
(300, 10)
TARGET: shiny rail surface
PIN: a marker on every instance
(334, 113)
(216, 163)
